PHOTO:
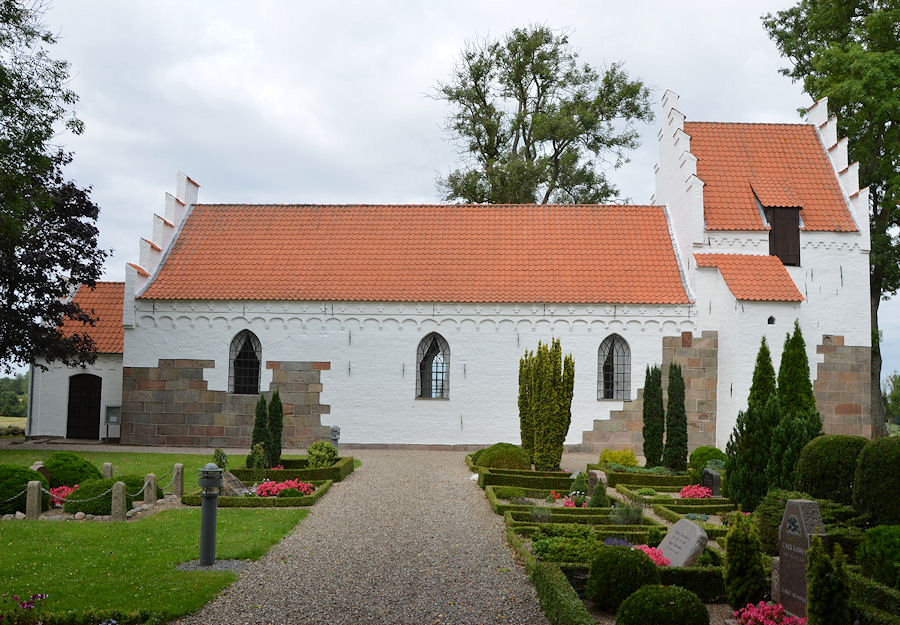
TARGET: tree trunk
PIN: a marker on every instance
(879, 427)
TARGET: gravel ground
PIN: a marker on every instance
(407, 538)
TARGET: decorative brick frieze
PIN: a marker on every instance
(843, 387)
(698, 357)
(171, 405)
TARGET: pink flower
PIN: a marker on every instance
(695, 491)
(271, 489)
(58, 495)
(655, 554)
(766, 614)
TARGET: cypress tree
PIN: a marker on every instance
(828, 587)
(675, 450)
(276, 423)
(525, 420)
(795, 393)
(260, 430)
(654, 417)
(748, 452)
(763, 377)
(744, 575)
(544, 412)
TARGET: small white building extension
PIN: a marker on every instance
(405, 324)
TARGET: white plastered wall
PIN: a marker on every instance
(49, 395)
(372, 350)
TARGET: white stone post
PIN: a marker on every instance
(107, 470)
(33, 501)
(178, 481)
(117, 512)
(150, 489)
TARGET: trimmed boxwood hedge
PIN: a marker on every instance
(265, 502)
(877, 481)
(77, 501)
(617, 572)
(68, 469)
(500, 506)
(662, 605)
(336, 472)
(707, 582)
(868, 593)
(541, 480)
(641, 479)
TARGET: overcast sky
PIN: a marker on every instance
(332, 102)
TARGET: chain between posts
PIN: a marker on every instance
(64, 499)
(16, 496)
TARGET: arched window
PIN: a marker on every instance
(244, 359)
(614, 369)
(433, 364)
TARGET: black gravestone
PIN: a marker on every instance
(712, 480)
(801, 521)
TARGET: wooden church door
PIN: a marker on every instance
(84, 407)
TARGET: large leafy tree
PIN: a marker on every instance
(533, 122)
(48, 233)
(849, 51)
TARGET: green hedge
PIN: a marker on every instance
(524, 516)
(560, 482)
(500, 506)
(642, 479)
(558, 599)
(867, 591)
(265, 502)
(706, 582)
(703, 506)
(336, 472)
(92, 617)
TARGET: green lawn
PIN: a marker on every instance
(131, 566)
(20, 421)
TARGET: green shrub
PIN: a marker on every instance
(540, 515)
(550, 389)
(827, 466)
(795, 392)
(621, 468)
(828, 594)
(745, 577)
(260, 434)
(646, 491)
(748, 453)
(877, 481)
(654, 536)
(289, 492)
(879, 555)
(68, 469)
(625, 514)
(579, 484)
(623, 457)
(790, 436)
(13, 480)
(662, 605)
(503, 456)
(598, 497)
(508, 492)
(615, 573)
(654, 417)
(257, 459)
(321, 454)
(699, 459)
(220, 459)
(526, 427)
(567, 549)
(675, 451)
(82, 499)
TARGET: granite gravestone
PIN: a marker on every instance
(712, 480)
(231, 486)
(801, 521)
(593, 479)
(683, 543)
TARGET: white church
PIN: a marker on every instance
(404, 324)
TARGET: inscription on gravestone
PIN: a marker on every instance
(801, 521)
(683, 543)
(712, 480)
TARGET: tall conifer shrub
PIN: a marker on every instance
(547, 402)
(675, 450)
(260, 431)
(275, 425)
(654, 417)
(763, 377)
(795, 393)
(525, 420)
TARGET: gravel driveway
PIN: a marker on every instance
(407, 538)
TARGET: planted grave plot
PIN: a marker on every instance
(298, 469)
(287, 493)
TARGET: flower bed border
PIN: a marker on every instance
(336, 472)
(641, 479)
(266, 502)
(535, 480)
(707, 582)
(629, 491)
(498, 505)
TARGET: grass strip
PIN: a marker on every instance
(130, 567)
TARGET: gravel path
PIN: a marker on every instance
(407, 538)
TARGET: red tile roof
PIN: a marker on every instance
(783, 164)
(104, 303)
(753, 277)
(431, 253)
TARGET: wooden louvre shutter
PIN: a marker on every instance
(784, 235)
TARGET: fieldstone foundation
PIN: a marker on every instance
(171, 405)
(699, 362)
(843, 387)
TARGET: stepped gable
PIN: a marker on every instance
(753, 277)
(781, 165)
(422, 253)
(103, 302)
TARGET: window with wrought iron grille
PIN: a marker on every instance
(614, 369)
(433, 368)
(244, 359)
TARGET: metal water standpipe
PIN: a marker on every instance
(210, 480)
(335, 435)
